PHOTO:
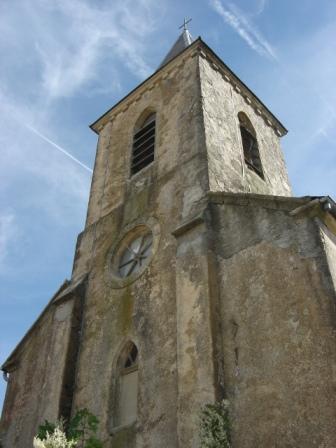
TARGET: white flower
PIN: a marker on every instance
(38, 443)
(57, 439)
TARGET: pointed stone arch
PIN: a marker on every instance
(125, 394)
(144, 117)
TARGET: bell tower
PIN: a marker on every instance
(197, 277)
(211, 132)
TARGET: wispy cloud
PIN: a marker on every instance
(7, 235)
(261, 7)
(239, 22)
(91, 33)
(325, 130)
(65, 50)
(34, 177)
(59, 148)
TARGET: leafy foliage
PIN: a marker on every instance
(83, 428)
(215, 429)
(47, 428)
(81, 432)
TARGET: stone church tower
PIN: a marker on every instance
(198, 276)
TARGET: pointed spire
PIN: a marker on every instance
(184, 40)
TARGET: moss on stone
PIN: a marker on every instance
(124, 438)
(215, 425)
(126, 310)
(136, 204)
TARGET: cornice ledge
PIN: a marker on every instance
(189, 225)
(323, 208)
(254, 199)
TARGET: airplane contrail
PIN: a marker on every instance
(35, 131)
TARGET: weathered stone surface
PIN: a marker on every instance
(278, 316)
(195, 363)
(36, 377)
(238, 298)
(144, 311)
(227, 169)
(179, 151)
(329, 240)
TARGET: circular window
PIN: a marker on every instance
(134, 253)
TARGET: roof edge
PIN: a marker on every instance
(193, 44)
(284, 130)
(63, 291)
(281, 130)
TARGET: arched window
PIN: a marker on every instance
(127, 386)
(250, 145)
(143, 144)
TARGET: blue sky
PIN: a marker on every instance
(64, 63)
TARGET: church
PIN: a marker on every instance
(198, 277)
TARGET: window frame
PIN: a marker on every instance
(119, 372)
(252, 161)
(141, 123)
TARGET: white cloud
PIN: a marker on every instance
(261, 7)
(235, 18)
(90, 34)
(33, 174)
(8, 232)
(303, 91)
(61, 50)
(310, 67)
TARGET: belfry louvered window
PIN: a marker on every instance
(143, 145)
(250, 145)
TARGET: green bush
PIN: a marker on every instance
(81, 430)
(215, 428)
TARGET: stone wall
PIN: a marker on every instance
(278, 318)
(170, 312)
(163, 195)
(36, 378)
(237, 297)
(179, 171)
(227, 170)
(329, 240)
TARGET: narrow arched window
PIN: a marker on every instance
(127, 386)
(143, 145)
(250, 145)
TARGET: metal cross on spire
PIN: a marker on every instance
(185, 23)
